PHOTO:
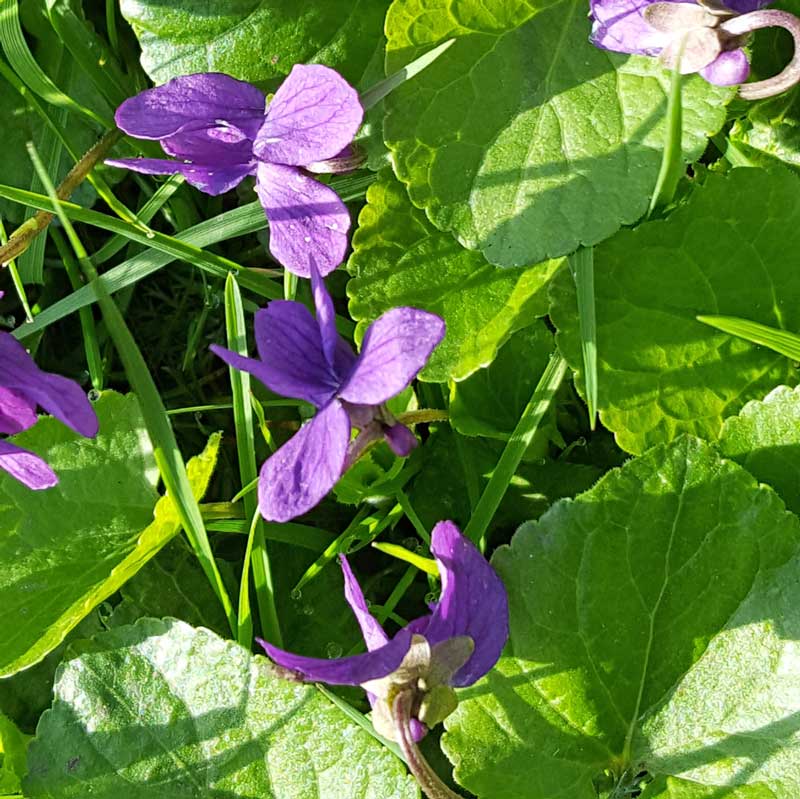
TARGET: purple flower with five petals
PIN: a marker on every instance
(306, 358)
(220, 130)
(452, 647)
(23, 386)
(693, 31)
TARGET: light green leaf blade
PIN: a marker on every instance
(616, 599)
(661, 372)
(65, 550)
(672, 788)
(13, 744)
(782, 341)
(489, 402)
(399, 258)
(523, 139)
(254, 39)
(161, 708)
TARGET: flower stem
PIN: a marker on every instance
(428, 779)
(768, 18)
(23, 236)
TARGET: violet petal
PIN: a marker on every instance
(352, 670)
(727, 69)
(326, 315)
(17, 412)
(26, 467)
(297, 477)
(401, 440)
(313, 116)
(374, 635)
(211, 98)
(619, 25)
(57, 395)
(395, 348)
(473, 602)
(306, 219)
(209, 179)
(291, 361)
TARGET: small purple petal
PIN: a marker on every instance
(306, 219)
(208, 98)
(352, 670)
(291, 361)
(209, 179)
(26, 467)
(326, 315)
(374, 635)
(297, 477)
(57, 395)
(727, 69)
(313, 116)
(17, 413)
(619, 25)
(395, 348)
(745, 6)
(473, 602)
(400, 439)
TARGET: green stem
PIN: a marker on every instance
(582, 267)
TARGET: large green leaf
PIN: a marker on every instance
(661, 372)
(65, 550)
(163, 709)
(654, 622)
(399, 258)
(524, 139)
(765, 439)
(254, 39)
(13, 744)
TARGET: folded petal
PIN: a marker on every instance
(297, 477)
(374, 635)
(727, 69)
(313, 116)
(17, 412)
(473, 602)
(326, 315)
(57, 395)
(619, 25)
(306, 219)
(26, 467)
(291, 361)
(401, 440)
(209, 179)
(395, 347)
(207, 98)
(352, 670)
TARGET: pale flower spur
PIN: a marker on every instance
(703, 36)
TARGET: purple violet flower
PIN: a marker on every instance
(306, 358)
(220, 130)
(661, 28)
(23, 386)
(454, 646)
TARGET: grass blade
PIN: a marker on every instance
(672, 167)
(781, 341)
(165, 448)
(582, 267)
(515, 448)
(246, 453)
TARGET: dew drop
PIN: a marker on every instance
(296, 594)
(308, 610)
(93, 395)
(306, 239)
(333, 650)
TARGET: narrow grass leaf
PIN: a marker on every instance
(427, 565)
(582, 267)
(672, 167)
(781, 341)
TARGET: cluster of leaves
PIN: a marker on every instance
(654, 601)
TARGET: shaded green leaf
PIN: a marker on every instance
(13, 745)
(523, 139)
(399, 258)
(654, 622)
(661, 371)
(163, 708)
(489, 402)
(65, 550)
(254, 39)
